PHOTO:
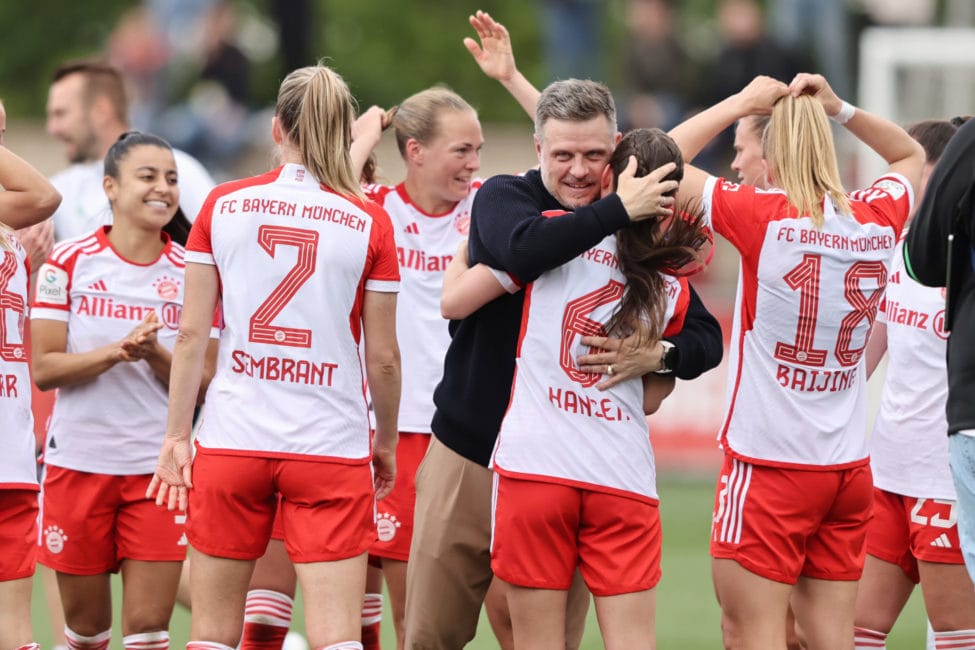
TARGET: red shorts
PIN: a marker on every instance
(906, 529)
(394, 521)
(785, 523)
(18, 534)
(543, 531)
(327, 508)
(91, 522)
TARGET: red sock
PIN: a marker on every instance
(955, 640)
(77, 642)
(864, 639)
(30, 646)
(147, 641)
(267, 617)
(372, 616)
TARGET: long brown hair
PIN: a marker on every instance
(650, 247)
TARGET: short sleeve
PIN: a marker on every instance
(52, 297)
(199, 246)
(382, 263)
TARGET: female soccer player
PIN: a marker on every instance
(307, 272)
(104, 322)
(27, 198)
(794, 495)
(913, 535)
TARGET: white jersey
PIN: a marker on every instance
(294, 259)
(808, 298)
(17, 464)
(425, 245)
(114, 423)
(909, 445)
(84, 206)
(558, 427)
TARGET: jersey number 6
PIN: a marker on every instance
(576, 322)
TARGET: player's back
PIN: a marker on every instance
(809, 296)
(294, 259)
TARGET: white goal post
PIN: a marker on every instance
(911, 74)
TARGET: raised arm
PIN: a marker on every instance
(692, 135)
(497, 60)
(904, 155)
(28, 198)
(467, 288)
(367, 130)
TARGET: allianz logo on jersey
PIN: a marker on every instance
(107, 307)
(412, 258)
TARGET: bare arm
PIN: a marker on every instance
(467, 288)
(367, 130)
(692, 135)
(876, 347)
(497, 60)
(384, 376)
(904, 155)
(52, 366)
(28, 197)
(173, 471)
(656, 388)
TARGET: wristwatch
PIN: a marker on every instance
(668, 360)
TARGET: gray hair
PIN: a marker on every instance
(574, 100)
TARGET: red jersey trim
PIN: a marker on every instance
(676, 323)
(167, 250)
(581, 485)
(30, 487)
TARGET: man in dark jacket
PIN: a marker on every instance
(575, 133)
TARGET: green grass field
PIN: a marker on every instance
(687, 613)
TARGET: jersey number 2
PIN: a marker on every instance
(805, 278)
(261, 329)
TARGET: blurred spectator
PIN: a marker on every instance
(137, 47)
(657, 70)
(747, 51)
(819, 29)
(294, 18)
(212, 123)
(572, 38)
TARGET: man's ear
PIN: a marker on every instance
(606, 182)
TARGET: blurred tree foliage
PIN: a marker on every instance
(38, 35)
(386, 50)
